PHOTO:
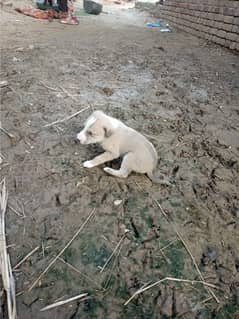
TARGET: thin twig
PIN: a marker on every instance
(168, 245)
(48, 87)
(192, 282)
(67, 118)
(79, 272)
(62, 89)
(26, 257)
(113, 266)
(68, 94)
(63, 302)
(43, 249)
(116, 247)
(23, 209)
(206, 300)
(14, 210)
(10, 135)
(62, 251)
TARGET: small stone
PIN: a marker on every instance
(31, 47)
(117, 202)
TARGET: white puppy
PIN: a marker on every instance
(117, 139)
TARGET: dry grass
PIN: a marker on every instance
(5, 264)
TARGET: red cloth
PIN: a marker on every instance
(39, 14)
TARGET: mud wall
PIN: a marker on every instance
(213, 20)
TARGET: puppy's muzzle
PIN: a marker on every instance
(81, 137)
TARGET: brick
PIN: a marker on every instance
(234, 4)
(222, 42)
(237, 47)
(204, 28)
(228, 19)
(227, 27)
(218, 17)
(210, 16)
(211, 9)
(221, 10)
(219, 25)
(207, 36)
(222, 34)
(228, 11)
(212, 23)
(236, 12)
(216, 40)
(235, 29)
(233, 45)
(213, 38)
(236, 21)
(232, 36)
(210, 37)
(216, 10)
(213, 31)
(227, 43)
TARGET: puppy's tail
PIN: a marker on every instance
(158, 180)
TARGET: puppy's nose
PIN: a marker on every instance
(80, 138)
(75, 139)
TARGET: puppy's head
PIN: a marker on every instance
(96, 129)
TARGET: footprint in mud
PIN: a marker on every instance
(209, 256)
(107, 91)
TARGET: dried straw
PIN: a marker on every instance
(192, 282)
(26, 257)
(116, 248)
(80, 272)
(5, 264)
(63, 302)
(67, 118)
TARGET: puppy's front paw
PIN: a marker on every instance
(88, 164)
(107, 170)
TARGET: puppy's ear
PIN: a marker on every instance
(108, 132)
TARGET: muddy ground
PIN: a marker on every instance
(183, 94)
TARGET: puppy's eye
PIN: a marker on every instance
(89, 133)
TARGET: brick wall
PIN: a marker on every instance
(214, 20)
